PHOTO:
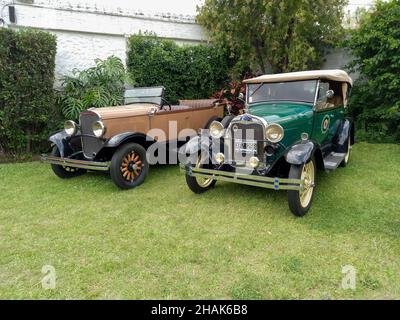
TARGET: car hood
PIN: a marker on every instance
(124, 111)
(279, 112)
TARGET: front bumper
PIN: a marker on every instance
(251, 180)
(73, 163)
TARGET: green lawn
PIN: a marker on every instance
(234, 242)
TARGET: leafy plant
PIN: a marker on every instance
(187, 72)
(273, 35)
(229, 95)
(99, 86)
(375, 101)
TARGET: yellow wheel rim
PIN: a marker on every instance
(346, 158)
(203, 182)
(308, 176)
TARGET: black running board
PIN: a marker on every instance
(333, 160)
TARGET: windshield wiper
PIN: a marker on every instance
(259, 87)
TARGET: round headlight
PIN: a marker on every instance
(216, 129)
(254, 162)
(274, 133)
(98, 129)
(219, 157)
(70, 127)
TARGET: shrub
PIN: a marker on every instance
(230, 95)
(27, 110)
(99, 86)
(375, 102)
(187, 72)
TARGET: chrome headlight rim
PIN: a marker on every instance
(275, 126)
(70, 128)
(216, 129)
(98, 129)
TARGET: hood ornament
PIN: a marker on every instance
(246, 117)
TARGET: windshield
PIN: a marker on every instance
(302, 91)
(144, 95)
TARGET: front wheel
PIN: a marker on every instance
(65, 172)
(199, 184)
(129, 166)
(300, 200)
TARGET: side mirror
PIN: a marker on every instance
(330, 94)
(241, 97)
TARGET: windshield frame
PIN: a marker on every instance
(261, 84)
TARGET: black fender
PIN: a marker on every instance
(300, 153)
(189, 152)
(121, 138)
(345, 131)
(60, 139)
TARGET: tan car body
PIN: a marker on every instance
(142, 118)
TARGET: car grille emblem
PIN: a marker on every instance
(235, 128)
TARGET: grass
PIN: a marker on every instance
(160, 241)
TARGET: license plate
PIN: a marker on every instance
(247, 147)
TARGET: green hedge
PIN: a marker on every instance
(187, 72)
(27, 110)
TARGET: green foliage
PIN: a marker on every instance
(375, 102)
(99, 86)
(281, 35)
(187, 72)
(27, 111)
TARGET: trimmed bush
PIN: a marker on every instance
(187, 72)
(27, 109)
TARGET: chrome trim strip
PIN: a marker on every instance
(73, 163)
(258, 181)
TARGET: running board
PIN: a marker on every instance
(333, 160)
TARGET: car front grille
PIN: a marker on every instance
(247, 140)
(91, 145)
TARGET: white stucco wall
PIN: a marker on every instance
(85, 33)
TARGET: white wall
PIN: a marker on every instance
(85, 33)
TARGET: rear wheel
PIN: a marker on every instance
(346, 159)
(199, 184)
(300, 200)
(65, 172)
(129, 166)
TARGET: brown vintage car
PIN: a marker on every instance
(116, 139)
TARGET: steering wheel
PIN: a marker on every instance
(165, 102)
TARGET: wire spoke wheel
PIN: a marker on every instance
(131, 166)
(300, 200)
(347, 157)
(203, 182)
(199, 184)
(307, 175)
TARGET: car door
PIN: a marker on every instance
(328, 113)
(169, 122)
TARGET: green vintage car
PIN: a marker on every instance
(294, 124)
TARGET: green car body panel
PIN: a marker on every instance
(299, 118)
